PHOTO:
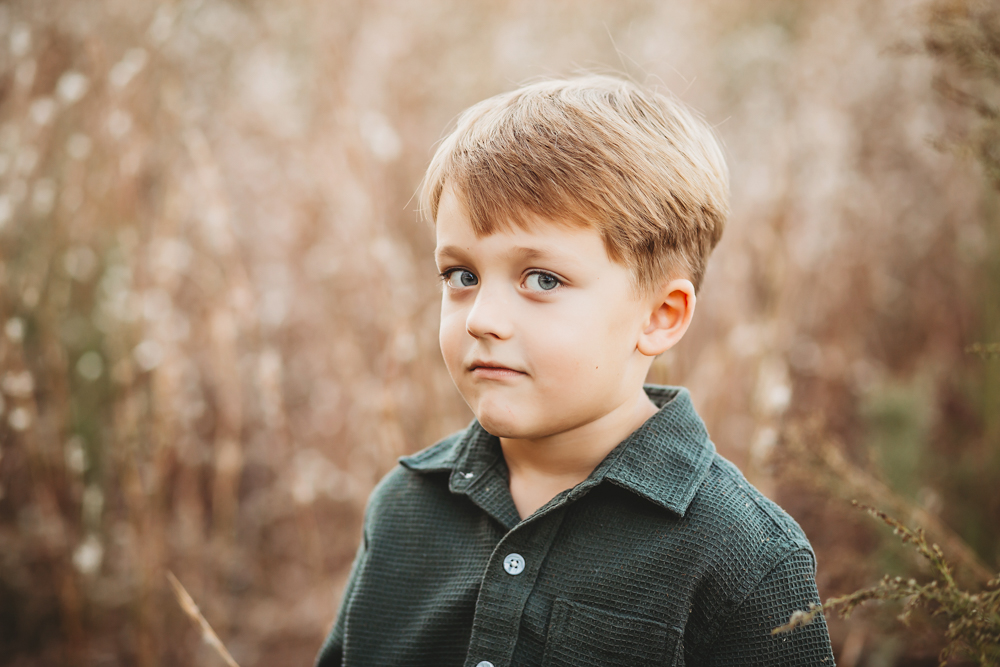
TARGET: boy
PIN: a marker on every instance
(582, 518)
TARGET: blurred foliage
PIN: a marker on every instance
(219, 313)
(989, 351)
(973, 618)
(898, 419)
(964, 35)
(964, 38)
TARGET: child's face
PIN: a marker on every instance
(538, 328)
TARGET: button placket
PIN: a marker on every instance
(507, 583)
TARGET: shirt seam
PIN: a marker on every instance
(787, 550)
(787, 527)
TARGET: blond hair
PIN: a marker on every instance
(596, 151)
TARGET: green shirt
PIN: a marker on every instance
(664, 555)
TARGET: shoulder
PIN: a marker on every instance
(742, 537)
(758, 567)
(734, 504)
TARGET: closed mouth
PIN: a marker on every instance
(488, 367)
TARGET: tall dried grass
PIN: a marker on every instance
(219, 311)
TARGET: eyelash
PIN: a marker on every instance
(559, 282)
(446, 275)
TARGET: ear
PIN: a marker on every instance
(672, 308)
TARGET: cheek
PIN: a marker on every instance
(586, 342)
(452, 338)
(569, 341)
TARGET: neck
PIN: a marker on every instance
(541, 468)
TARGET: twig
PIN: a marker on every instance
(191, 609)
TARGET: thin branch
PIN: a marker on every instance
(191, 609)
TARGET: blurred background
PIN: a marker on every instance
(219, 309)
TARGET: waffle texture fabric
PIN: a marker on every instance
(664, 555)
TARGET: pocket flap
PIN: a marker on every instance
(581, 635)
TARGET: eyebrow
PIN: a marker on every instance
(521, 252)
(449, 251)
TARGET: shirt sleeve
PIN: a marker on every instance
(746, 639)
(331, 654)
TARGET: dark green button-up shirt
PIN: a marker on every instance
(664, 555)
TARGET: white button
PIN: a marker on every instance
(485, 663)
(513, 563)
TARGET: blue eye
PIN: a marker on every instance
(459, 278)
(542, 282)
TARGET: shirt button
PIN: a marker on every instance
(513, 563)
(485, 663)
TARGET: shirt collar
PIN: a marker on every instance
(665, 460)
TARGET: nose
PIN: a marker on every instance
(490, 315)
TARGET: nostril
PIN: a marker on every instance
(488, 316)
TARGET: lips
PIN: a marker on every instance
(493, 369)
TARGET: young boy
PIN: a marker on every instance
(582, 518)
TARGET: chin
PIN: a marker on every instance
(499, 418)
(513, 425)
(501, 426)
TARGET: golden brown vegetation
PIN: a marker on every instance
(966, 38)
(219, 312)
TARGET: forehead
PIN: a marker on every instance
(532, 237)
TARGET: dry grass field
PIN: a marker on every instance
(219, 308)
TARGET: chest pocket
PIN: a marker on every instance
(580, 635)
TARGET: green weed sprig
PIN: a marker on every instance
(973, 618)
